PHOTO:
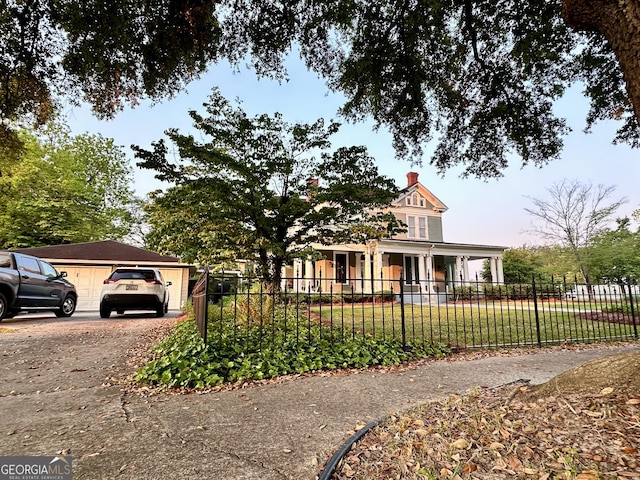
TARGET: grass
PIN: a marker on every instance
(476, 324)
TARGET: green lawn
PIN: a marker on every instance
(472, 325)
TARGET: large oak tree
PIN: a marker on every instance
(262, 189)
(479, 76)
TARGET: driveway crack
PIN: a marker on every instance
(123, 405)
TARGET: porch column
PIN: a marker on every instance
(458, 270)
(367, 273)
(465, 269)
(422, 272)
(430, 278)
(297, 274)
(308, 275)
(494, 275)
(377, 269)
(500, 271)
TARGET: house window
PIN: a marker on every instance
(419, 230)
(411, 227)
(422, 227)
(340, 263)
(411, 269)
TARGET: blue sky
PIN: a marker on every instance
(486, 212)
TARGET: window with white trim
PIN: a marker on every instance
(416, 227)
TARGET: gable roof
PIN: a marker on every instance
(437, 204)
(104, 250)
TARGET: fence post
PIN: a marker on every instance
(535, 308)
(200, 296)
(633, 314)
(402, 319)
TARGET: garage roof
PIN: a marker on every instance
(105, 250)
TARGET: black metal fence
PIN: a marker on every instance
(461, 315)
(200, 300)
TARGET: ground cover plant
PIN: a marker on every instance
(234, 354)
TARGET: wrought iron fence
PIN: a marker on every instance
(200, 300)
(461, 314)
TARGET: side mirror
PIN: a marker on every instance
(62, 274)
(168, 284)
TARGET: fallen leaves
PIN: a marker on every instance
(478, 436)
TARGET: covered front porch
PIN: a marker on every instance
(425, 268)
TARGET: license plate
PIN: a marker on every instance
(132, 287)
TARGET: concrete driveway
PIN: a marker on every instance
(60, 392)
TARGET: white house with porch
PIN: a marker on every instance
(420, 257)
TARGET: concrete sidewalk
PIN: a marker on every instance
(57, 395)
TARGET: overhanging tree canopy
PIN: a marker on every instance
(65, 189)
(479, 76)
(263, 189)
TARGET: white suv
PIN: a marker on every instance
(134, 288)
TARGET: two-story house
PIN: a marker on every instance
(420, 256)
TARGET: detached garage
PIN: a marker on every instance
(88, 264)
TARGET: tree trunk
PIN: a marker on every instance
(619, 22)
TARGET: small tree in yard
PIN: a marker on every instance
(574, 215)
(263, 189)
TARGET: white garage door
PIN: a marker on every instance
(88, 282)
(174, 275)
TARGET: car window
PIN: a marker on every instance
(133, 275)
(28, 264)
(48, 270)
(5, 260)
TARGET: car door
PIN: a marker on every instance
(35, 288)
(55, 286)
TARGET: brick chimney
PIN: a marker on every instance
(412, 178)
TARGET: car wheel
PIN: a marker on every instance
(160, 311)
(105, 311)
(3, 306)
(67, 308)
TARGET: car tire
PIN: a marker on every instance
(160, 311)
(105, 311)
(68, 307)
(3, 306)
